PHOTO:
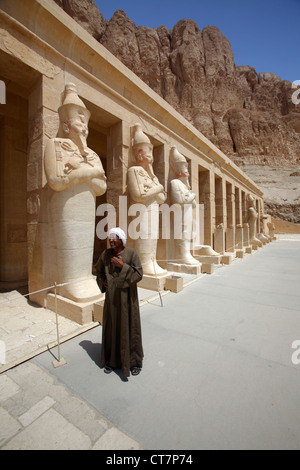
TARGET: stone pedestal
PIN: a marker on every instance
(98, 312)
(153, 283)
(227, 258)
(184, 268)
(261, 237)
(174, 284)
(205, 254)
(255, 243)
(82, 313)
(207, 268)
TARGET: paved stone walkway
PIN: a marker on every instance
(37, 413)
(46, 408)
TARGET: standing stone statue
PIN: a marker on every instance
(75, 177)
(252, 221)
(144, 188)
(181, 194)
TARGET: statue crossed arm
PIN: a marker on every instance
(143, 188)
(180, 194)
(66, 167)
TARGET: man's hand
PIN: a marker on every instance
(117, 261)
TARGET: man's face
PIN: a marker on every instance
(115, 242)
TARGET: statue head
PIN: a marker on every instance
(179, 164)
(142, 147)
(251, 201)
(74, 117)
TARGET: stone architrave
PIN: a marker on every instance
(145, 189)
(252, 221)
(185, 199)
(75, 177)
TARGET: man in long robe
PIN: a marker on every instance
(119, 270)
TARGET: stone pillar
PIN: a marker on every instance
(239, 237)
(221, 230)
(220, 201)
(243, 207)
(13, 217)
(246, 235)
(112, 207)
(194, 181)
(259, 210)
(238, 219)
(238, 206)
(230, 239)
(230, 206)
(161, 163)
(161, 155)
(246, 239)
(207, 197)
(219, 240)
(118, 144)
(44, 101)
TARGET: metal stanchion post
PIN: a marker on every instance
(61, 361)
(161, 302)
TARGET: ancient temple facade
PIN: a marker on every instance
(43, 52)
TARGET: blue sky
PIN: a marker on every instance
(263, 33)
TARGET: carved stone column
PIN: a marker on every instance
(44, 122)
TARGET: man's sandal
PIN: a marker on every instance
(107, 370)
(135, 370)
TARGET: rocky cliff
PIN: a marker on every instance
(251, 117)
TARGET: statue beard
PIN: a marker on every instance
(81, 143)
(78, 138)
(149, 167)
(185, 179)
(150, 171)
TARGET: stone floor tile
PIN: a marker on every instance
(9, 426)
(36, 411)
(114, 439)
(51, 431)
(8, 388)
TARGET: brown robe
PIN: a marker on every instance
(121, 329)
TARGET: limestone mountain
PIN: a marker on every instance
(251, 117)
